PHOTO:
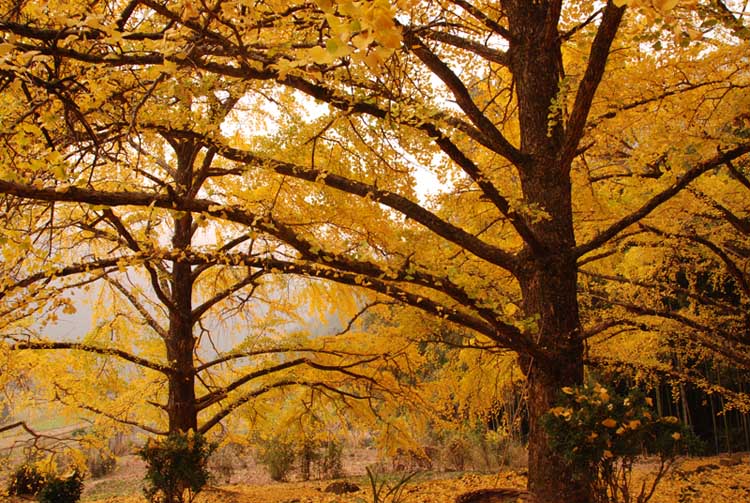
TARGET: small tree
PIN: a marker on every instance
(176, 467)
(600, 434)
(66, 489)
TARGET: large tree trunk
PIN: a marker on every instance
(550, 297)
(181, 405)
(549, 276)
(549, 477)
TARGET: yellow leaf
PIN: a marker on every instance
(320, 55)
(609, 423)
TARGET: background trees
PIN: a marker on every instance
(562, 133)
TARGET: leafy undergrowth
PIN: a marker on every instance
(695, 480)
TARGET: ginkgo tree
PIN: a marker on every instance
(557, 130)
(192, 319)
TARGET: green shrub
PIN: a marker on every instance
(62, 489)
(384, 491)
(331, 464)
(27, 480)
(278, 456)
(308, 457)
(176, 467)
(600, 434)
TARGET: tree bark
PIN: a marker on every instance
(548, 277)
(181, 405)
(550, 297)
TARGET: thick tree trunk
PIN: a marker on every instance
(549, 478)
(549, 276)
(181, 405)
(550, 296)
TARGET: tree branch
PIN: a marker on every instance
(250, 279)
(484, 51)
(78, 346)
(663, 196)
(371, 192)
(214, 396)
(705, 335)
(216, 418)
(440, 69)
(150, 320)
(732, 268)
(600, 48)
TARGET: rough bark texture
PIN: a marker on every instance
(548, 278)
(181, 405)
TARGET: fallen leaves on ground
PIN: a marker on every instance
(695, 480)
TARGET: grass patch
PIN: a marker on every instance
(111, 488)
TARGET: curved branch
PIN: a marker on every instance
(249, 354)
(603, 326)
(228, 246)
(705, 335)
(237, 214)
(250, 279)
(78, 346)
(501, 332)
(120, 420)
(393, 200)
(214, 396)
(71, 270)
(732, 268)
(660, 198)
(477, 13)
(484, 51)
(369, 276)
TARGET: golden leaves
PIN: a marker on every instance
(366, 31)
(609, 423)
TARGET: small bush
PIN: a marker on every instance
(600, 434)
(226, 460)
(308, 458)
(27, 480)
(176, 467)
(458, 453)
(331, 465)
(511, 453)
(278, 456)
(100, 463)
(62, 489)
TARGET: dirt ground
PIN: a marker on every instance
(694, 480)
(718, 479)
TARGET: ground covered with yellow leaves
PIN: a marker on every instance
(698, 480)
